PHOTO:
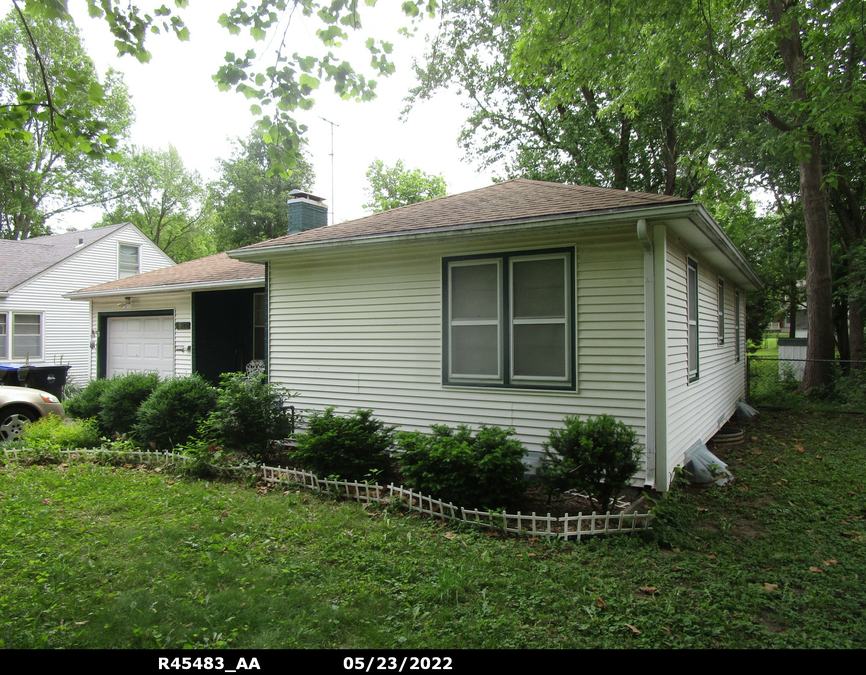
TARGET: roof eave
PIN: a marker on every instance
(230, 284)
(264, 253)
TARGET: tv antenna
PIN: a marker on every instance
(333, 203)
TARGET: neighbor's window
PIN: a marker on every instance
(26, 336)
(4, 339)
(509, 320)
(721, 312)
(737, 323)
(692, 283)
(127, 260)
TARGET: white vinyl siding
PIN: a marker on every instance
(361, 326)
(26, 336)
(696, 410)
(66, 324)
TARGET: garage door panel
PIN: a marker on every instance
(140, 344)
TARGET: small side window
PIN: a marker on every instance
(721, 312)
(127, 260)
(692, 312)
(4, 338)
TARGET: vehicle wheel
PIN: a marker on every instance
(13, 420)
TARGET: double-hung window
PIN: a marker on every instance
(692, 311)
(4, 337)
(721, 312)
(509, 320)
(26, 336)
(127, 260)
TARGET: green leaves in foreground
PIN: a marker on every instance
(284, 84)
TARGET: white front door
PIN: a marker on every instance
(140, 344)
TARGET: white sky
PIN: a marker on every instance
(176, 102)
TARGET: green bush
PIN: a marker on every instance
(250, 414)
(54, 433)
(452, 465)
(353, 447)
(85, 404)
(171, 414)
(597, 456)
(121, 400)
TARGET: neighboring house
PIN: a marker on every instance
(516, 305)
(37, 323)
(205, 316)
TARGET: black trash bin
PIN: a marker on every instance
(47, 378)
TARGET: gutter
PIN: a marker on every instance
(178, 288)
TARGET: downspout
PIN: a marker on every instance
(644, 233)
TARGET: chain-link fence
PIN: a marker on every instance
(774, 381)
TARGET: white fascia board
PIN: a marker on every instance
(172, 288)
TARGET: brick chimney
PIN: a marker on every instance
(306, 212)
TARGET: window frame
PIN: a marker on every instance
(121, 273)
(505, 322)
(4, 336)
(13, 355)
(721, 312)
(737, 326)
(693, 326)
(260, 298)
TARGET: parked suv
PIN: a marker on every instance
(21, 405)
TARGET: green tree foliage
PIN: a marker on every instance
(562, 112)
(390, 187)
(43, 172)
(249, 199)
(164, 200)
(707, 79)
(278, 83)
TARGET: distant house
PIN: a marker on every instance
(37, 323)
(205, 316)
(515, 305)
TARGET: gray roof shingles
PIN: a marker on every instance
(23, 259)
(517, 199)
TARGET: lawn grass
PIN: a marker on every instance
(103, 557)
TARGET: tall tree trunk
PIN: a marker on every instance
(819, 286)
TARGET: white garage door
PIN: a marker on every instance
(141, 344)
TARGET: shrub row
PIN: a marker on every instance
(244, 412)
(597, 456)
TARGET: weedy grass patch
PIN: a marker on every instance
(110, 557)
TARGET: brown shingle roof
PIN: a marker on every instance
(212, 269)
(518, 199)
